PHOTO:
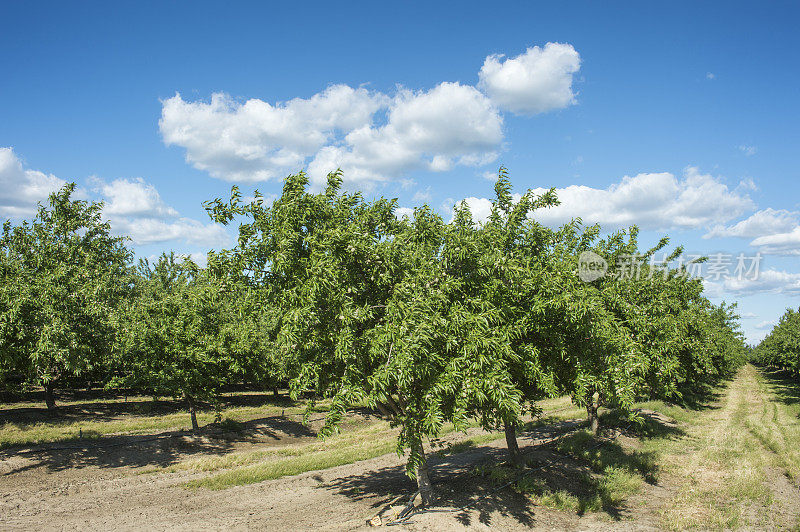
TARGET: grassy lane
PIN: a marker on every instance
(97, 418)
(57, 430)
(737, 467)
(350, 446)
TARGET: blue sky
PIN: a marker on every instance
(681, 117)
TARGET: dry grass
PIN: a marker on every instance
(722, 467)
(57, 430)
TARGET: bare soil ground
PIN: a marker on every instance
(113, 486)
(99, 489)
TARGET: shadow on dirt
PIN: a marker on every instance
(565, 463)
(97, 406)
(162, 449)
(701, 396)
(784, 384)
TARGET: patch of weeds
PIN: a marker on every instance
(616, 484)
(497, 473)
(537, 489)
(231, 425)
(602, 455)
(604, 491)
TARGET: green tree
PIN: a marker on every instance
(500, 268)
(369, 311)
(63, 277)
(781, 347)
(175, 339)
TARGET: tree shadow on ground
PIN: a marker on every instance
(104, 407)
(161, 449)
(643, 424)
(784, 384)
(471, 479)
(700, 396)
(453, 480)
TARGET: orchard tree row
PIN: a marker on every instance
(781, 347)
(425, 320)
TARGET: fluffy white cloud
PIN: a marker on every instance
(135, 209)
(480, 208)
(155, 230)
(132, 206)
(448, 125)
(762, 223)
(767, 281)
(534, 82)
(256, 141)
(372, 136)
(774, 231)
(652, 201)
(787, 243)
(451, 124)
(133, 197)
(404, 212)
(765, 325)
(20, 188)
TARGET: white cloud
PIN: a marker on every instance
(135, 209)
(155, 230)
(767, 281)
(373, 137)
(404, 212)
(774, 231)
(451, 124)
(765, 325)
(786, 243)
(748, 150)
(710, 75)
(133, 197)
(761, 223)
(256, 141)
(132, 206)
(422, 196)
(200, 258)
(747, 184)
(480, 208)
(20, 188)
(536, 81)
(653, 201)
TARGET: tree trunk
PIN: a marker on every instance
(511, 443)
(192, 414)
(423, 481)
(275, 392)
(49, 397)
(591, 410)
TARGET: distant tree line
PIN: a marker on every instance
(781, 347)
(425, 320)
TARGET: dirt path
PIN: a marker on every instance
(722, 475)
(719, 462)
(337, 498)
